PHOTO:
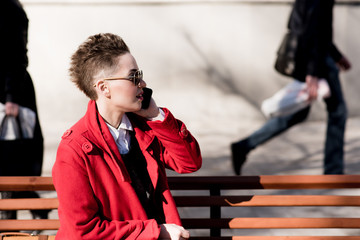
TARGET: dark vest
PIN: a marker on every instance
(136, 165)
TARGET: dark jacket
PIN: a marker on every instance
(15, 82)
(312, 21)
(13, 61)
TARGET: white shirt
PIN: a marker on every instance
(121, 134)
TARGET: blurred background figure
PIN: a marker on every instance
(316, 58)
(19, 157)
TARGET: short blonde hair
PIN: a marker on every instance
(98, 53)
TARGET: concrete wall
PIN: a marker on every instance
(210, 62)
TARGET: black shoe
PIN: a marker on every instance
(7, 214)
(40, 214)
(239, 152)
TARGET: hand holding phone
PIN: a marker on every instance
(149, 109)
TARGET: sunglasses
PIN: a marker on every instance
(135, 77)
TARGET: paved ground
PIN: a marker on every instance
(298, 151)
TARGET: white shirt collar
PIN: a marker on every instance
(124, 125)
(121, 134)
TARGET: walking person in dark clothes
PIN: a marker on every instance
(16, 91)
(317, 57)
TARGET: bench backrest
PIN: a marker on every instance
(216, 195)
(28, 184)
(224, 196)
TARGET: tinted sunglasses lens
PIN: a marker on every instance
(138, 77)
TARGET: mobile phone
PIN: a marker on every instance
(147, 97)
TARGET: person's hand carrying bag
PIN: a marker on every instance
(17, 143)
(292, 98)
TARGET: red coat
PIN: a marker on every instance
(94, 189)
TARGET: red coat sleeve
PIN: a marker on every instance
(181, 150)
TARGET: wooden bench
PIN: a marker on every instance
(27, 184)
(223, 199)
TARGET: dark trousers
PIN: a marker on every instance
(336, 121)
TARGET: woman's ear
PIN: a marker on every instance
(103, 88)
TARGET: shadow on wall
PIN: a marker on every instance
(218, 74)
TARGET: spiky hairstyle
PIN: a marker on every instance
(99, 53)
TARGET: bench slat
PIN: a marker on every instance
(279, 238)
(178, 183)
(267, 200)
(26, 184)
(42, 237)
(265, 182)
(39, 224)
(28, 204)
(269, 223)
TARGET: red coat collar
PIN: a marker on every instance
(98, 133)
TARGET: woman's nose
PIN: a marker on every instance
(142, 84)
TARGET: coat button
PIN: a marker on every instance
(87, 147)
(66, 133)
(184, 132)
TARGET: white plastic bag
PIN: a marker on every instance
(9, 127)
(292, 98)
